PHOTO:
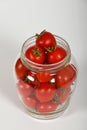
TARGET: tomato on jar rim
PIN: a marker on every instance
(45, 40)
(35, 54)
(56, 55)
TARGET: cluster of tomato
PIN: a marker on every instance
(36, 89)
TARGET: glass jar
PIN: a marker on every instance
(45, 90)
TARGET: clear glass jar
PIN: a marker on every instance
(50, 98)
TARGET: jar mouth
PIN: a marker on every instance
(35, 66)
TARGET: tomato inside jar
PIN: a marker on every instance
(45, 75)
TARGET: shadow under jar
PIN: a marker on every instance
(47, 98)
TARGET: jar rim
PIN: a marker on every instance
(37, 66)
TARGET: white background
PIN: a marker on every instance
(20, 19)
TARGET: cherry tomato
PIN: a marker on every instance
(24, 88)
(44, 76)
(57, 55)
(35, 54)
(20, 69)
(45, 92)
(46, 40)
(46, 107)
(62, 94)
(30, 101)
(66, 76)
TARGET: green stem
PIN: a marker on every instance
(37, 52)
(39, 35)
(50, 49)
(43, 32)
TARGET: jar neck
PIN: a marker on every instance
(45, 67)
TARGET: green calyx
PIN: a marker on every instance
(36, 52)
(43, 32)
(63, 90)
(57, 96)
(50, 49)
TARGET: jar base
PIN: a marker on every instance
(47, 116)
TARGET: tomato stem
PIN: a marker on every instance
(37, 52)
(50, 49)
(56, 97)
(39, 35)
(43, 32)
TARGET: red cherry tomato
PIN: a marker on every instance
(46, 107)
(66, 76)
(45, 92)
(63, 94)
(57, 55)
(35, 54)
(24, 88)
(46, 40)
(20, 70)
(30, 101)
(44, 76)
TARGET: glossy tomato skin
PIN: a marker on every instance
(35, 54)
(46, 40)
(30, 101)
(45, 92)
(24, 88)
(66, 76)
(32, 78)
(63, 94)
(46, 107)
(20, 70)
(57, 55)
(44, 76)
